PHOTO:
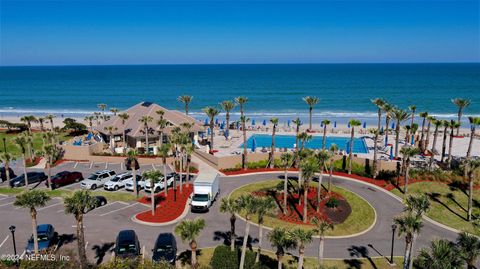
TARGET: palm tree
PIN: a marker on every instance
(274, 122)
(446, 125)
(309, 167)
(241, 101)
(474, 122)
(417, 204)
(49, 152)
(230, 206)
(50, 118)
(162, 124)
(427, 138)
(302, 238)
(442, 254)
(265, 206)
(153, 176)
(304, 137)
(77, 204)
(379, 103)
(325, 123)
(322, 157)
(399, 116)
(353, 123)
(321, 227)
(333, 149)
(186, 100)
(145, 120)
(41, 120)
(311, 101)
(163, 151)
(469, 247)
(248, 205)
(470, 166)
(461, 104)
(124, 117)
(410, 225)
(227, 106)
(6, 158)
(114, 111)
(29, 120)
(297, 123)
(189, 230)
(453, 126)
(287, 159)
(102, 108)
(22, 142)
(412, 109)
(437, 124)
(110, 130)
(211, 114)
(424, 116)
(132, 159)
(97, 116)
(281, 239)
(32, 199)
(89, 120)
(407, 153)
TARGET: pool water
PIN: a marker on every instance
(288, 141)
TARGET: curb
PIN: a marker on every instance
(329, 236)
(434, 222)
(153, 224)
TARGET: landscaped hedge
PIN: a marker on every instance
(224, 258)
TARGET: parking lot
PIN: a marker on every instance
(101, 224)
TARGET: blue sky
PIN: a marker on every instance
(73, 32)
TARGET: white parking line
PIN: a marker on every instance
(118, 209)
(123, 203)
(4, 240)
(86, 245)
(106, 165)
(43, 208)
(6, 204)
(75, 166)
(6, 198)
(91, 165)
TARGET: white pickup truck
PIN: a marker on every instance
(205, 191)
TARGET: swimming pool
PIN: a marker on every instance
(287, 141)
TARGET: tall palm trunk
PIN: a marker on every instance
(260, 239)
(319, 190)
(350, 153)
(406, 263)
(245, 240)
(81, 242)
(387, 122)
(297, 153)
(193, 247)
(272, 152)
(422, 136)
(135, 187)
(427, 139)
(165, 186)
(227, 118)
(407, 168)
(305, 201)
(7, 174)
(410, 259)
(49, 174)
(320, 249)
(51, 124)
(211, 134)
(285, 191)
(279, 259)
(244, 157)
(470, 193)
(444, 146)
(375, 149)
(147, 144)
(432, 157)
(330, 177)
(24, 170)
(397, 138)
(33, 214)
(124, 141)
(310, 118)
(181, 171)
(233, 236)
(324, 139)
(470, 143)
(160, 139)
(152, 196)
(301, 255)
(450, 145)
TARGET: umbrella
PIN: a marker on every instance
(413, 139)
(348, 125)
(208, 131)
(264, 122)
(238, 125)
(364, 124)
(206, 122)
(226, 133)
(393, 125)
(253, 122)
(321, 124)
(216, 121)
(335, 124)
(222, 126)
(386, 140)
(288, 123)
(381, 130)
(391, 153)
(254, 144)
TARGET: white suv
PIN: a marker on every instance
(117, 182)
(160, 185)
(97, 179)
(129, 183)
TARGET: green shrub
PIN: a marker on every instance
(250, 259)
(224, 258)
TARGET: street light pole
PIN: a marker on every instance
(12, 230)
(394, 227)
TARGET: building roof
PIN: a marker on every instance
(135, 128)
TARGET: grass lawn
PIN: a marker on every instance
(290, 261)
(360, 219)
(15, 150)
(448, 204)
(111, 196)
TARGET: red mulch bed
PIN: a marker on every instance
(295, 210)
(166, 209)
(258, 170)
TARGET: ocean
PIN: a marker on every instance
(345, 90)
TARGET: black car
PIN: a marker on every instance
(3, 174)
(99, 201)
(33, 177)
(127, 245)
(165, 248)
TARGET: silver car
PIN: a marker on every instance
(97, 179)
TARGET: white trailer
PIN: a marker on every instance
(205, 191)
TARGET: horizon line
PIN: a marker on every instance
(184, 64)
